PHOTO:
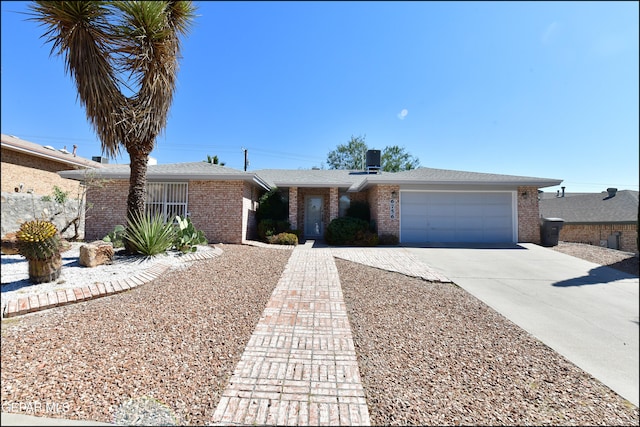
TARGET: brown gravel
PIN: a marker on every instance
(432, 354)
(623, 261)
(159, 352)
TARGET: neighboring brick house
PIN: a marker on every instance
(608, 219)
(36, 166)
(422, 205)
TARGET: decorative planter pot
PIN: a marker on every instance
(47, 270)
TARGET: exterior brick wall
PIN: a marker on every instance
(216, 208)
(334, 203)
(107, 207)
(379, 199)
(594, 233)
(528, 215)
(223, 210)
(40, 181)
(293, 208)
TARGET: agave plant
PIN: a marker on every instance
(40, 243)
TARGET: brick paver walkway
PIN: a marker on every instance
(299, 367)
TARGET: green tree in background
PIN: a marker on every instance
(214, 160)
(352, 156)
(396, 159)
(349, 156)
(123, 57)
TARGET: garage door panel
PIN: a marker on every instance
(456, 217)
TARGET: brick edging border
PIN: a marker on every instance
(60, 298)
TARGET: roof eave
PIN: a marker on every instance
(82, 163)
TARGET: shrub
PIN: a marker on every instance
(388, 239)
(283, 239)
(360, 210)
(59, 195)
(272, 205)
(186, 236)
(347, 231)
(365, 238)
(149, 235)
(270, 227)
(115, 236)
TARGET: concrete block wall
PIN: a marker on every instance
(594, 233)
(528, 215)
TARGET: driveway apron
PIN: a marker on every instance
(586, 312)
(299, 366)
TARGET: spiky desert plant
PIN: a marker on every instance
(38, 240)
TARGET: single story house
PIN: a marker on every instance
(608, 219)
(30, 166)
(421, 205)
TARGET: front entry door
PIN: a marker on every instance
(313, 217)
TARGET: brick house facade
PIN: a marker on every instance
(37, 167)
(222, 202)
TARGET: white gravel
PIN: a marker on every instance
(15, 271)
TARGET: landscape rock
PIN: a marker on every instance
(10, 244)
(96, 253)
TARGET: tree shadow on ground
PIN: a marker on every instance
(597, 276)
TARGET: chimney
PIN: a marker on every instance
(75, 148)
(612, 191)
(563, 191)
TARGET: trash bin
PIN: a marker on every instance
(550, 231)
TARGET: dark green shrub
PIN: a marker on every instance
(360, 210)
(149, 235)
(388, 239)
(283, 239)
(266, 228)
(272, 205)
(186, 237)
(344, 231)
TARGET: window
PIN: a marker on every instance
(167, 199)
(343, 204)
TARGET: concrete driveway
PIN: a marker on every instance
(586, 312)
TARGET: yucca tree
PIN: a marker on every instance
(123, 57)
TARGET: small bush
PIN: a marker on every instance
(283, 239)
(388, 239)
(149, 235)
(59, 195)
(347, 231)
(365, 238)
(115, 236)
(271, 227)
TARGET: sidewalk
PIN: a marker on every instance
(299, 367)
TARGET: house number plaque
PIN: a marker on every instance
(392, 209)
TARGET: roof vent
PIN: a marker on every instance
(373, 161)
(64, 150)
(48, 147)
(612, 191)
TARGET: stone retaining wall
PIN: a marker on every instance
(21, 207)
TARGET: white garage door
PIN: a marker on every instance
(456, 217)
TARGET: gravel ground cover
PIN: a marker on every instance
(160, 354)
(432, 354)
(623, 261)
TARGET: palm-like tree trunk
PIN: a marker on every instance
(110, 45)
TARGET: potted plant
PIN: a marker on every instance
(39, 242)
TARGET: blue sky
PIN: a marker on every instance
(544, 89)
